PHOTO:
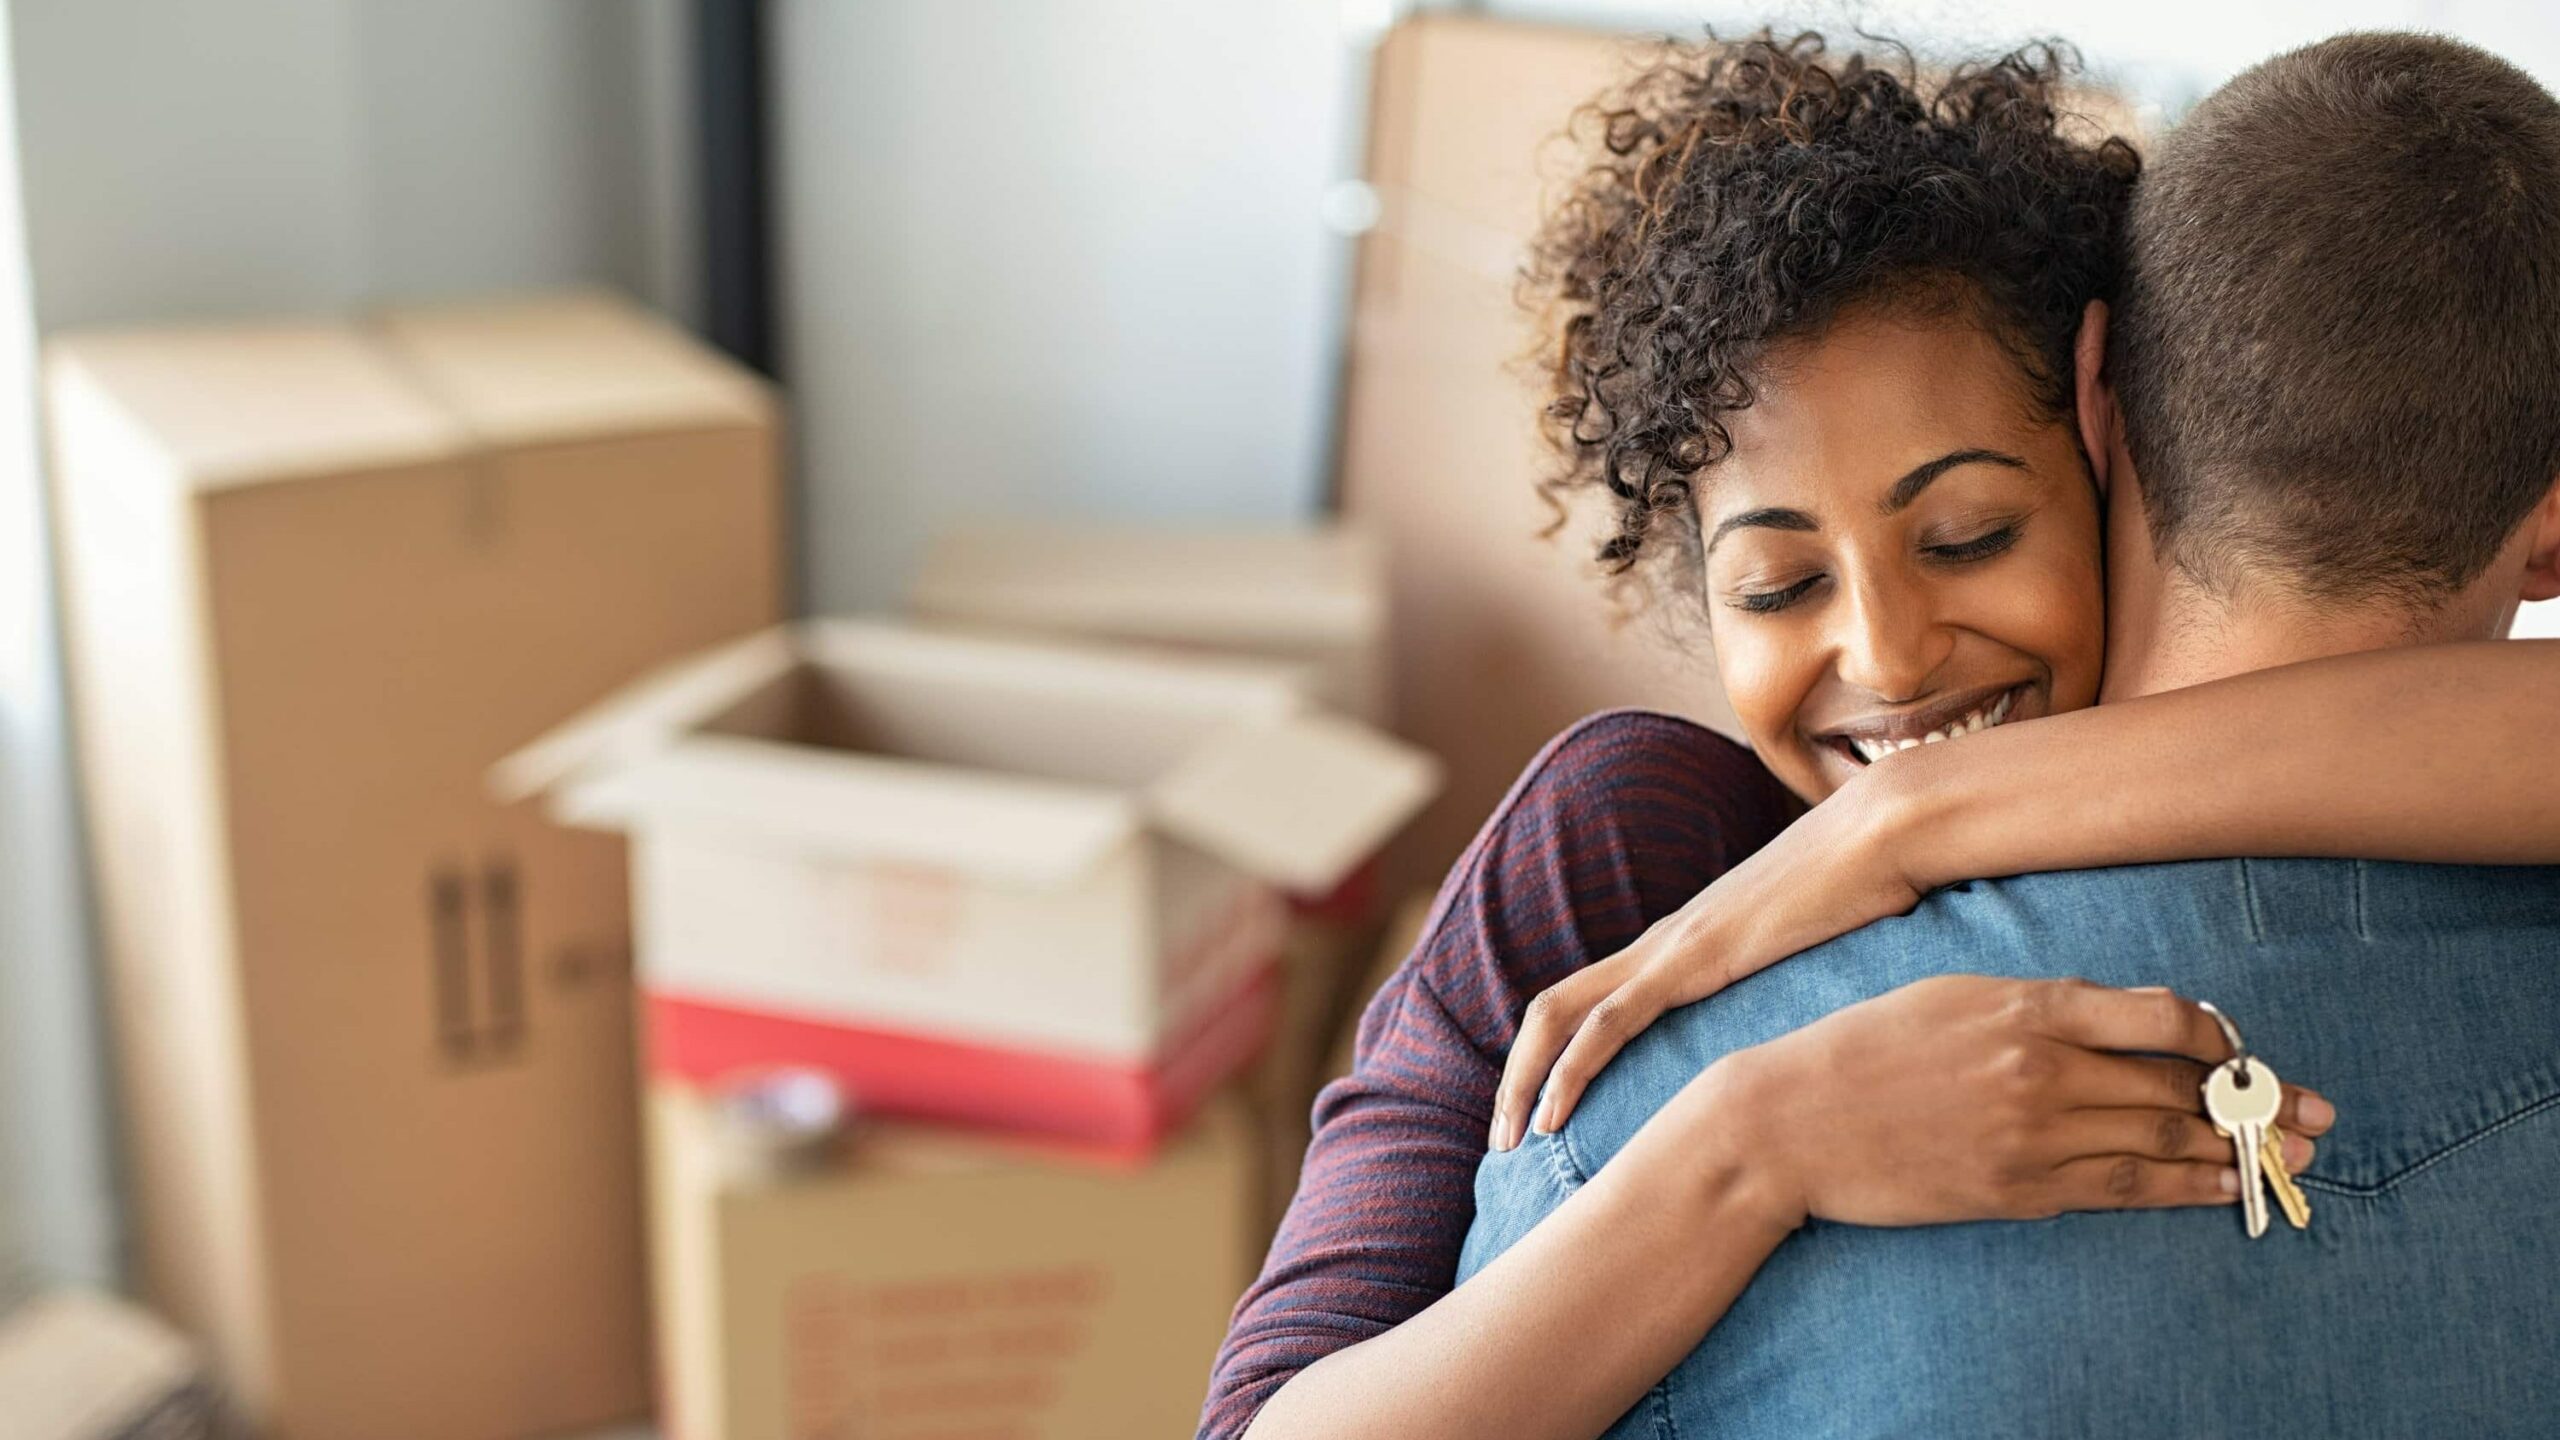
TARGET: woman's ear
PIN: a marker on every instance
(2542, 551)
(2091, 395)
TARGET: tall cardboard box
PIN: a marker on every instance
(929, 1285)
(1314, 595)
(976, 877)
(373, 1030)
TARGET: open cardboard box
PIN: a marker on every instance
(911, 839)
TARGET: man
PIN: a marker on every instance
(2316, 255)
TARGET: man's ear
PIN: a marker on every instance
(2094, 398)
(2542, 551)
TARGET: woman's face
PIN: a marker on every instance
(1900, 548)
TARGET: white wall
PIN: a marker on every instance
(2173, 49)
(267, 155)
(1052, 259)
(247, 158)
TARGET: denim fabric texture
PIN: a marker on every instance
(2425, 1299)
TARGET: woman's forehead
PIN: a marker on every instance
(1857, 406)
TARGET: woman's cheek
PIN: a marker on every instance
(1762, 681)
(2055, 611)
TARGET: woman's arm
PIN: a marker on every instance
(2439, 753)
(2426, 753)
(1959, 1098)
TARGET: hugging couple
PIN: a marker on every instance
(2055, 514)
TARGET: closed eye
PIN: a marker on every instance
(1767, 602)
(1980, 547)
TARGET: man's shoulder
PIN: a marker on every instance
(2226, 928)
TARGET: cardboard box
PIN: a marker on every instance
(1067, 850)
(1315, 596)
(934, 1286)
(76, 1365)
(373, 1032)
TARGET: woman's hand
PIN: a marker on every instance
(1967, 1097)
(1835, 869)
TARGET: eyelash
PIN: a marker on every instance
(1980, 547)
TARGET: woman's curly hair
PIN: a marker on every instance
(1740, 194)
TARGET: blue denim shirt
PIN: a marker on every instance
(2425, 1298)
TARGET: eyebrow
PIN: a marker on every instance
(1908, 488)
(1896, 500)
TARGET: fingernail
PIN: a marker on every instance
(1495, 1133)
(1547, 1118)
(2318, 1113)
(2230, 1182)
(2149, 990)
(2297, 1153)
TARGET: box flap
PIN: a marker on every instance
(857, 807)
(239, 404)
(644, 715)
(1287, 588)
(573, 366)
(1299, 801)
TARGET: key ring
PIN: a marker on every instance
(2230, 1032)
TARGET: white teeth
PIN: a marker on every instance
(1972, 724)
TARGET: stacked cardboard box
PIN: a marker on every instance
(373, 1031)
(1030, 886)
(1026, 885)
(929, 1284)
(1313, 596)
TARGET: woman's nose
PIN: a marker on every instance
(1890, 644)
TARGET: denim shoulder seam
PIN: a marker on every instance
(1657, 1403)
(1563, 1164)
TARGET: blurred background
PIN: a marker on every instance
(392, 391)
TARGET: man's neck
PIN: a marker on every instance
(2187, 635)
(2165, 631)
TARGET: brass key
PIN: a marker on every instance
(2289, 1197)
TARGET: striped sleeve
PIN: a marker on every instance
(1617, 822)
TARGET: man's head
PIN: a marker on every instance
(2337, 354)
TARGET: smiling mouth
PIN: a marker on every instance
(1871, 740)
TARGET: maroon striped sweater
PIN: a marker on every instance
(1617, 822)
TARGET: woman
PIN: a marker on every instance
(1844, 313)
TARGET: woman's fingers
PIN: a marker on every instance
(2155, 1134)
(2095, 1079)
(1552, 1020)
(2098, 1079)
(2135, 1182)
(1618, 1018)
(2103, 1018)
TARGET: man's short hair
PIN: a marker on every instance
(2338, 349)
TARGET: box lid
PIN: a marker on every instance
(859, 807)
(1322, 585)
(1224, 753)
(1299, 802)
(568, 366)
(645, 715)
(241, 404)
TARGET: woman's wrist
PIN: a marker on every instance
(1716, 1146)
(1904, 814)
